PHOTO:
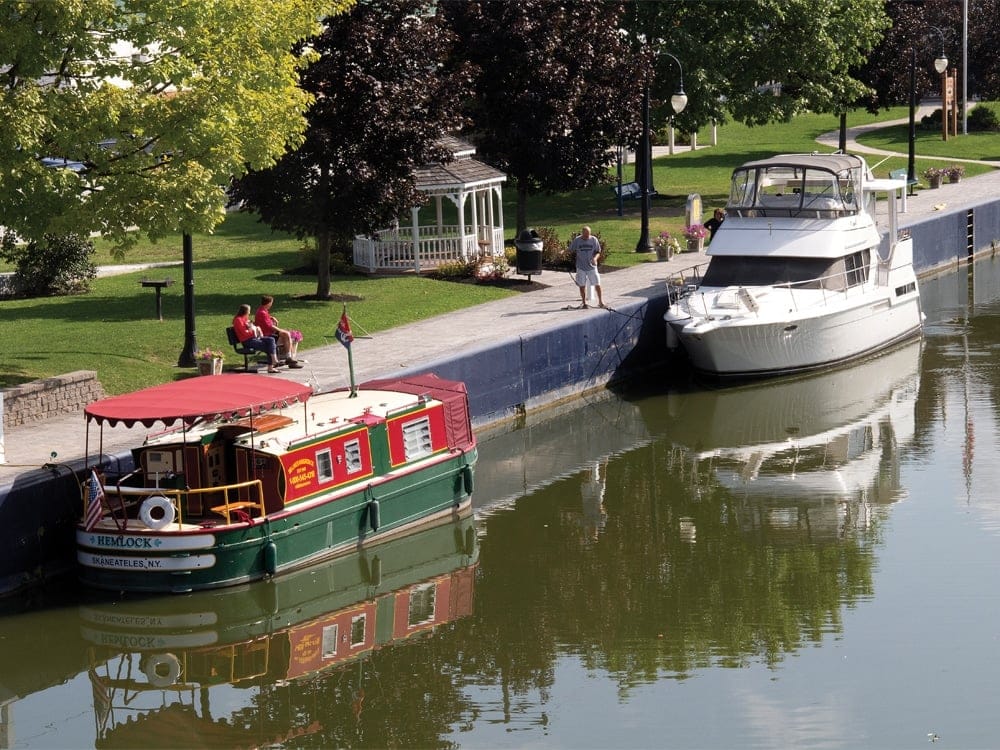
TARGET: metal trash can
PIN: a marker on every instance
(529, 253)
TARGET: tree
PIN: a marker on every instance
(158, 104)
(381, 106)
(759, 61)
(556, 89)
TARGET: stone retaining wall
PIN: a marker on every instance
(55, 396)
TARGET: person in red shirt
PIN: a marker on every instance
(250, 336)
(268, 325)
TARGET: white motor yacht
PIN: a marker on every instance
(801, 275)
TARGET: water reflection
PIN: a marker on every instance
(154, 665)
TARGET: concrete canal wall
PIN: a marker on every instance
(942, 242)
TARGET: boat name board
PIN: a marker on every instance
(113, 562)
(144, 542)
(147, 642)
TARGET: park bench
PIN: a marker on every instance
(240, 349)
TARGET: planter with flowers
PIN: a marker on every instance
(933, 175)
(954, 172)
(666, 246)
(209, 362)
(695, 236)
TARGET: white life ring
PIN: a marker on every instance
(162, 670)
(156, 512)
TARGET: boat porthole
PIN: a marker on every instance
(156, 512)
(162, 670)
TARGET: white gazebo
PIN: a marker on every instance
(475, 217)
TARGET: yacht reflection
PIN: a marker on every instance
(814, 452)
(149, 659)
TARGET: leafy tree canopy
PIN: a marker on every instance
(157, 103)
(382, 104)
(556, 88)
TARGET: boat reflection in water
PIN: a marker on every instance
(812, 453)
(153, 662)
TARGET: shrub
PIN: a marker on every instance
(982, 118)
(455, 269)
(932, 172)
(554, 250)
(341, 259)
(59, 264)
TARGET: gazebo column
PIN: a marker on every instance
(460, 205)
(498, 192)
(475, 221)
(415, 218)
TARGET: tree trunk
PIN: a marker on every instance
(522, 207)
(323, 243)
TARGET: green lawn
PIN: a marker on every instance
(113, 329)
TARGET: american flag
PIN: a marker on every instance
(344, 335)
(95, 494)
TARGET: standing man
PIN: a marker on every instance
(713, 224)
(587, 250)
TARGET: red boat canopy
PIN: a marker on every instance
(193, 399)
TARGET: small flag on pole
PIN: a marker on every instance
(344, 335)
(94, 496)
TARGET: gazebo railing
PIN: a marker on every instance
(392, 250)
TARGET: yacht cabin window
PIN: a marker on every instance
(835, 274)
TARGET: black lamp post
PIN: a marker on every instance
(940, 65)
(678, 101)
(186, 358)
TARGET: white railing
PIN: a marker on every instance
(392, 250)
(683, 289)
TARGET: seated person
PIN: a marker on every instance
(268, 325)
(250, 336)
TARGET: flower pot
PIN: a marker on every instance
(662, 252)
(935, 182)
(210, 366)
(953, 178)
(695, 245)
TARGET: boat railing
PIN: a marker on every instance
(685, 281)
(120, 498)
(834, 287)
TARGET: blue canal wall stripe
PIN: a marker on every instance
(587, 350)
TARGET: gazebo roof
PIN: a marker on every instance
(462, 173)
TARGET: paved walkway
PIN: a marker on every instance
(380, 355)
(410, 346)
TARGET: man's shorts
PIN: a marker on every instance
(589, 277)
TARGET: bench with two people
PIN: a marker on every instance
(262, 337)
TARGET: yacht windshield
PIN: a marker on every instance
(802, 273)
(781, 188)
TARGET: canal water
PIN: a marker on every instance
(809, 562)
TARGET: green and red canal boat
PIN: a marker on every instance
(254, 477)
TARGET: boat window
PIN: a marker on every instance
(417, 439)
(324, 465)
(792, 191)
(352, 456)
(329, 641)
(358, 631)
(802, 273)
(422, 605)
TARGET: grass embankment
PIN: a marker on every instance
(114, 330)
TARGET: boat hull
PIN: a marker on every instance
(753, 346)
(144, 560)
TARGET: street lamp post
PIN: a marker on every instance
(678, 101)
(940, 65)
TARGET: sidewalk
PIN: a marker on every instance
(382, 355)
